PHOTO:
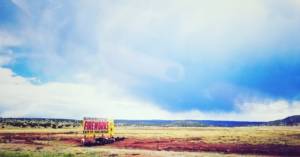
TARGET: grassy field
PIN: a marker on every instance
(171, 141)
(247, 135)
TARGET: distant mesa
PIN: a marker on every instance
(66, 123)
(289, 121)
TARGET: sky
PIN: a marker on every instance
(139, 59)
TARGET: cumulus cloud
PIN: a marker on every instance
(134, 64)
(258, 110)
(20, 97)
(268, 109)
(153, 35)
(95, 52)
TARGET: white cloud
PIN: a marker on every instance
(203, 28)
(5, 58)
(136, 64)
(259, 110)
(8, 39)
(269, 109)
(126, 41)
(21, 98)
(97, 51)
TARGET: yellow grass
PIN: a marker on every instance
(103, 151)
(247, 135)
(238, 135)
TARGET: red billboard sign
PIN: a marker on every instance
(95, 125)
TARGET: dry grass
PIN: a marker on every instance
(238, 135)
(102, 151)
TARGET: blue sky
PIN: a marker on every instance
(168, 60)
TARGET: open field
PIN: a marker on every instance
(155, 141)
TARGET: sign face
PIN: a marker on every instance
(95, 125)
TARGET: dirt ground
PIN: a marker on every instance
(199, 146)
(52, 140)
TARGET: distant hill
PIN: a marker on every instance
(186, 123)
(62, 123)
(289, 121)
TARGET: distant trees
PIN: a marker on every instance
(38, 123)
